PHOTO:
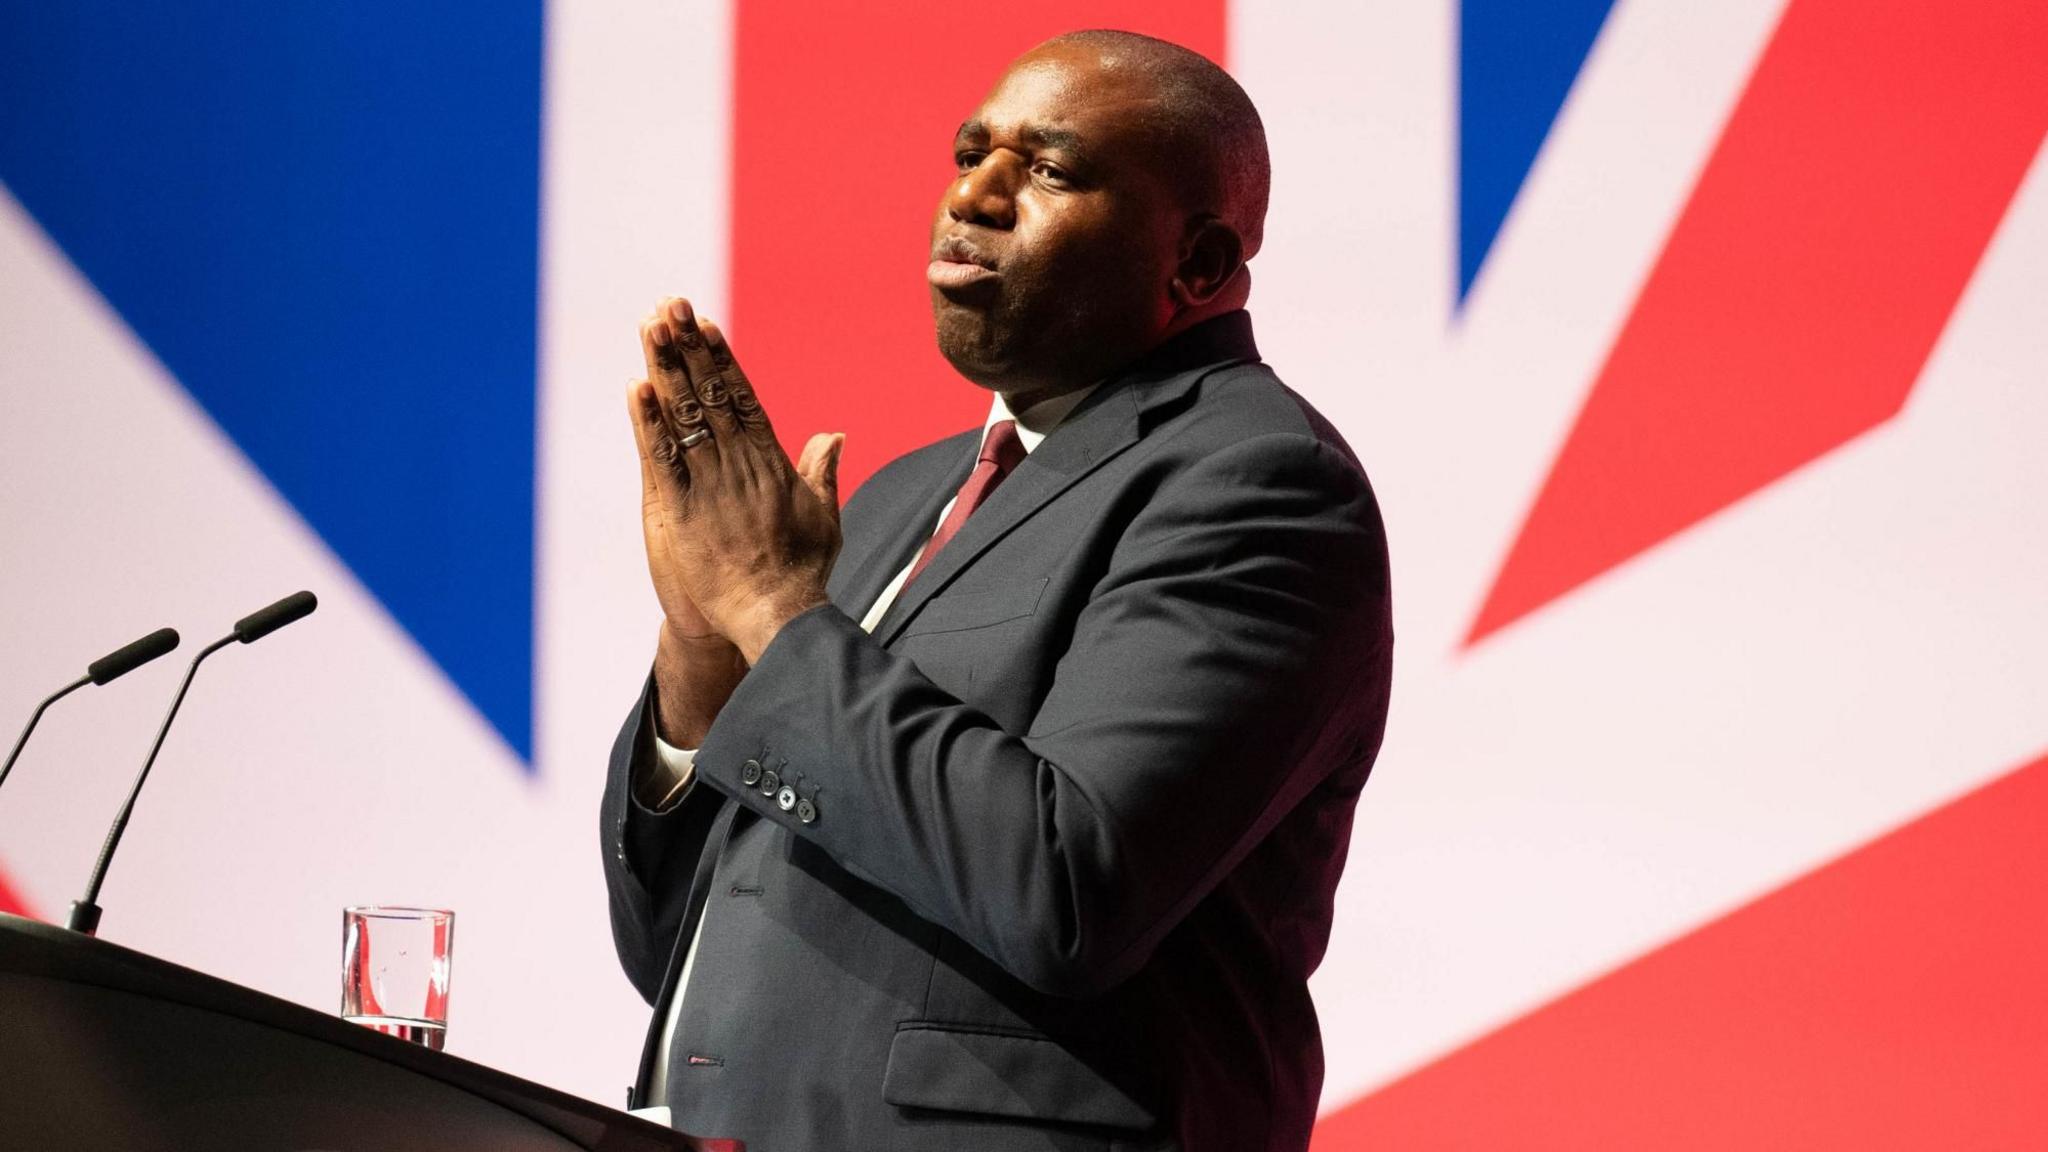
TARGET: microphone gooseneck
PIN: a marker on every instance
(85, 912)
(112, 666)
(36, 718)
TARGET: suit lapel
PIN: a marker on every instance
(1104, 425)
(911, 509)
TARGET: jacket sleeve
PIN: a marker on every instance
(649, 859)
(1224, 664)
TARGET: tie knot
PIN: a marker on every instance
(1002, 446)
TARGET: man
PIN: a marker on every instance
(1016, 822)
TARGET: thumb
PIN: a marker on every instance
(819, 466)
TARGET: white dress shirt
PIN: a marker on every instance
(674, 767)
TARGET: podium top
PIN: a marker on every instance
(108, 1048)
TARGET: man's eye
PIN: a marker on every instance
(1052, 173)
(966, 161)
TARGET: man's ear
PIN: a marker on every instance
(1211, 259)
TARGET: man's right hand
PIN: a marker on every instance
(695, 669)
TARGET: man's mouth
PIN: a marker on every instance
(960, 250)
(951, 274)
(957, 264)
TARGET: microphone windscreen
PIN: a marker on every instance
(122, 661)
(264, 621)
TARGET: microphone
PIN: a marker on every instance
(262, 622)
(85, 912)
(128, 658)
(110, 667)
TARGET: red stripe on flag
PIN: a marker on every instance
(842, 144)
(1842, 212)
(1896, 998)
(9, 902)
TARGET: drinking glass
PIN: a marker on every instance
(394, 971)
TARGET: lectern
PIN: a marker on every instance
(102, 1047)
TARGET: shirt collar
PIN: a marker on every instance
(1225, 337)
(1039, 419)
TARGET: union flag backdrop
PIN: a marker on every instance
(1697, 352)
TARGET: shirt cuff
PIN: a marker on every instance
(671, 773)
(677, 762)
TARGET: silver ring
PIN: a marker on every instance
(696, 438)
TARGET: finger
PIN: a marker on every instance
(819, 466)
(664, 361)
(713, 391)
(669, 374)
(650, 493)
(746, 406)
(663, 468)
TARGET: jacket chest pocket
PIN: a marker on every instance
(982, 608)
(984, 648)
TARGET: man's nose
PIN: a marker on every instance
(986, 193)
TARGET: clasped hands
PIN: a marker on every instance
(739, 539)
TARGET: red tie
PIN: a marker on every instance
(1001, 451)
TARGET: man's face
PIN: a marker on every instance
(1054, 246)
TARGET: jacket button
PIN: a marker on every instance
(807, 811)
(750, 773)
(786, 798)
(770, 782)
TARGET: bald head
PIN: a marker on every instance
(1205, 119)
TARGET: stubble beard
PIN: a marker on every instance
(980, 342)
(1010, 349)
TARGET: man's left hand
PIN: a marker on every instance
(754, 536)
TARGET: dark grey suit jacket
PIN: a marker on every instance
(1077, 807)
